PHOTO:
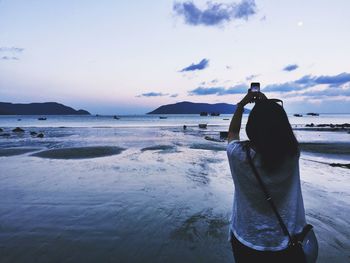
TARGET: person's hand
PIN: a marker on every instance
(251, 97)
(261, 96)
(248, 98)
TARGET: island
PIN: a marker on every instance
(187, 107)
(45, 108)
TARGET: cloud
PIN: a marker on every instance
(290, 67)
(206, 91)
(332, 81)
(250, 77)
(211, 82)
(157, 94)
(219, 91)
(309, 81)
(153, 94)
(282, 87)
(329, 92)
(11, 49)
(9, 58)
(10, 53)
(204, 63)
(244, 9)
(215, 13)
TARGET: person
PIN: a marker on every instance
(255, 232)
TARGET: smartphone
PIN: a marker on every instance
(255, 87)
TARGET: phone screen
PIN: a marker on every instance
(255, 87)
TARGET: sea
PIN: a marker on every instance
(149, 188)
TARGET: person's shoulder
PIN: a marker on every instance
(236, 147)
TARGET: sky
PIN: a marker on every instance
(129, 57)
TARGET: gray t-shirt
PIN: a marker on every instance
(253, 222)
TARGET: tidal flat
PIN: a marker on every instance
(155, 194)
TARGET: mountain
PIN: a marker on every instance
(186, 107)
(46, 108)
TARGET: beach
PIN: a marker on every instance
(144, 189)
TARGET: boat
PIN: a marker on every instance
(312, 114)
(209, 138)
(298, 115)
(42, 118)
(162, 117)
(215, 114)
(203, 113)
(116, 117)
(202, 125)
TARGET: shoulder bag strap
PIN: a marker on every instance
(267, 195)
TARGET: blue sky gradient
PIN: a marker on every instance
(129, 57)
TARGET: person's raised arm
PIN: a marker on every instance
(236, 121)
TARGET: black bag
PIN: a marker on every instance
(303, 245)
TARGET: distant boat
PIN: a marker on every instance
(215, 114)
(162, 117)
(226, 119)
(312, 114)
(202, 125)
(213, 139)
(42, 118)
(203, 113)
(298, 115)
(116, 117)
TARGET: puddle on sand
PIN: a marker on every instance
(79, 152)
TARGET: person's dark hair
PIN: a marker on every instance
(270, 132)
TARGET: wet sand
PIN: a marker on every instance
(16, 151)
(79, 152)
(166, 197)
(326, 148)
